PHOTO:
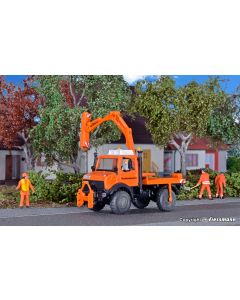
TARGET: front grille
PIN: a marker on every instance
(86, 189)
(96, 185)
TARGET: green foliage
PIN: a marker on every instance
(41, 185)
(62, 189)
(233, 164)
(233, 184)
(174, 115)
(170, 110)
(234, 149)
(48, 87)
(57, 134)
(222, 123)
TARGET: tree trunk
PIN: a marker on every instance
(28, 156)
(183, 162)
(27, 149)
(182, 147)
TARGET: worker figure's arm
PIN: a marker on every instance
(199, 183)
(224, 182)
(19, 185)
(196, 185)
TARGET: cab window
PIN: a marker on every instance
(107, 164)
(127, 164)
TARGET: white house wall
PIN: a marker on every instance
(156, 154)
(201, 160)
(222, 158)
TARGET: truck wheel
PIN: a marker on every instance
(98, 206)
(163, 200)
(120, 202)
(140, 202)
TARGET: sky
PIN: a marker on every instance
(230, 81)
(229, 84)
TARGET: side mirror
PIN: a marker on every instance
(115, 169)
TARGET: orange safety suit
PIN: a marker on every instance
(220, 182)
(24, 185)
(205, 182)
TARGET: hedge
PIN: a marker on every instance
(62, 189)
(233, 164)
(232, 188)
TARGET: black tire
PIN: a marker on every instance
(98, 206)
(140, 202)
(120, 202)
(163, 200)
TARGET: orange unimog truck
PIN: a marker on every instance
(117, 178)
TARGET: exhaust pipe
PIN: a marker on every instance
(140, 154)
(95, 161)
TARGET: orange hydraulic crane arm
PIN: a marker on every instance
(87, 126)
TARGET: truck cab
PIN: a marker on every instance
(110, 170)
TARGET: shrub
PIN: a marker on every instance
(233, 164)
(62, 189)
(41, 185)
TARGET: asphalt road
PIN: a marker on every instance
(187, 213)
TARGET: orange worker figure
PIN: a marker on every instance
(220, 182)
(205, 182)
(24, 185)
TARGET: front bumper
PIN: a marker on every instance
(85, 194)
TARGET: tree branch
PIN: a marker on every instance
(83, 94)
(72, 94)
(189, 136)
(174, 143)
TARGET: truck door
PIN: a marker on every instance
(129, 171)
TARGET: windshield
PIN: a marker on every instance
(107, 164)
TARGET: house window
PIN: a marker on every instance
(192, 160)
